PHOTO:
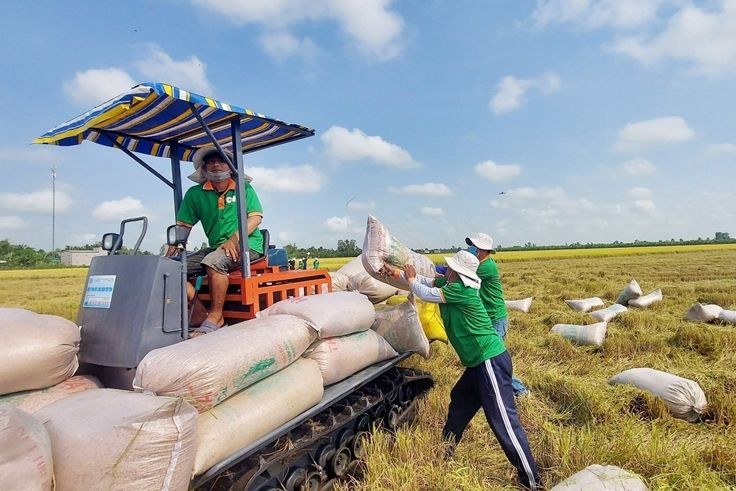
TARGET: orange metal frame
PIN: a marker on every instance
(267, 285)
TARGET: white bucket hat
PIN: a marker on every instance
(465, 264)
(198, 161)
(482, 241)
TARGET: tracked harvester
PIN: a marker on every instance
(135, 303)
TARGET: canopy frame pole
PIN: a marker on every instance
(176, 175)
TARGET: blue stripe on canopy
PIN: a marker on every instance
(150, 116)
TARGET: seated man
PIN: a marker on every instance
(214, 202)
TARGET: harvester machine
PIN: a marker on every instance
(134, 303)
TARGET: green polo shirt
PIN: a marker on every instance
(219, 212)
(467, 324)
(491, 291)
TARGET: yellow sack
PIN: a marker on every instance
(429, 316)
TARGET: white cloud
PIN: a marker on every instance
(644, 205)
(723, 148)
(11, 223)
(156, 64)
(284, 45)
(339, 224)
(36, 202)
(511, 91)
(286, 236)
(119, 209)
(371, 27)
(640, 193)
(637, 167)
(303, 179)
(496, 172)
(343, 145)
(707, 39)
(657, 131)
(97, 85)
(432, 211)
(427, 189)
(592, 14)
(361, 206)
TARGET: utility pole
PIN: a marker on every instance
(53, 210)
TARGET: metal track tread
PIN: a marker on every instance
(328, 444)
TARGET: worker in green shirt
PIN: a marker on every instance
(491, 292)
(486, 381)
(213, 201)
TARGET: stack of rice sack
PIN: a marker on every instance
(354, 278)
(244, 380)
(342, 321)
(429, 316)
(25, 452)
(400, 325)
(710, 313)
(632, 296)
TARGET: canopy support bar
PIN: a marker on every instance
(137, 159)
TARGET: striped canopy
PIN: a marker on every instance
(151, 116)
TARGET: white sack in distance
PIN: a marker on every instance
(602, 478)
(520, 305)
(727, 316)
(593, 334)
(584, 304)
(646, 300)
(26, 462)
(330, 314)
(631, 291)
(208, 369)
(381, 248)
(31, 401)
(401, 328)
(38, 350)
(609, 313)
(683, 397)
(703, 312)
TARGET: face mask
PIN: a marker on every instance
(218, 176)
(473, 250)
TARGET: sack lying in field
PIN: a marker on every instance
(727, 316)
(339, 358)
(646, 300)
(31, 401)
(25, 452)
(593, 334)
(602, 478)
(208, 369)
(401, 328)
(330, 314)
(339, 281)
(703, 312)
(381, 248)
(631, 291)
(607, 314)
(256, 411)
(684, 398)
(375, 290)
(111, 439)
(520, 305)
(584, 304)
(354, 266)
(38, 351)
(429, 317)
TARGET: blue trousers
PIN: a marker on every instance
(501, 325)
(488, 385)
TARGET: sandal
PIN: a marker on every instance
(206, 327)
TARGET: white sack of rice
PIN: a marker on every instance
(584, 304)
(521, 305)
(401, 327)
(208, 369)
(646, 300)
(354, 266)
(683, 397)
(115, 440)
(602, 478)
(31, 401)
(703, 312)
(38, 350)
(339, 281)
(256, 411)
(631, 291)
(592, 334)
(330, 314)
(727, 316)
(376, 291)
(380, 248)
(609, 313)
(26, 462)
(341, 357)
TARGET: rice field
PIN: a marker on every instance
(572, 417)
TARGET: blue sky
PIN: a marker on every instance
(600, 120)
